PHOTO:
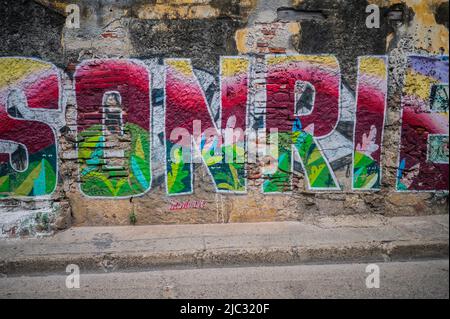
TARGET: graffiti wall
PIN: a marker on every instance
(369, 123)
(30, 93)
(189, 112)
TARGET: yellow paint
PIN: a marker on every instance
(203, 12)
(241, 40)
(327, 60)
(418, 85)
(176, 11)
(139, 149)
(373, 66)
(234, 66)
(182, 66)
(427, 34)
(160, 27)
(389, 39)
(15, 69)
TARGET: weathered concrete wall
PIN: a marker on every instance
(84, 173)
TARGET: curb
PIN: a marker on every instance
(358, 252)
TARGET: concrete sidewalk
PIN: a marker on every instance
(324, 240)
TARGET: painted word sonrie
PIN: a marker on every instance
(302, 101)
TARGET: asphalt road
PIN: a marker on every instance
(417, 279)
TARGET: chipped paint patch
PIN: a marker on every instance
(241, 40)
(234, 67)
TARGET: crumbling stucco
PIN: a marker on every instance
(203, 31)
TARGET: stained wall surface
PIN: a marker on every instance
(216, 111)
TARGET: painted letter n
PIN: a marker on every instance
(423, 157)
(294, 131)
(190, 129)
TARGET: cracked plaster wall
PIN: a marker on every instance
(204, 30)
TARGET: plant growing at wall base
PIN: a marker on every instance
(132, 217)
